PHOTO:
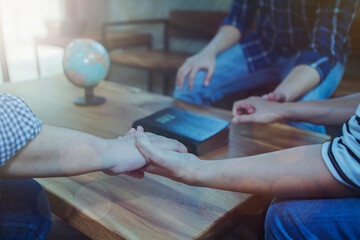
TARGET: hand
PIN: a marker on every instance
(124, 157)
(177, 166)
(201, 61)
(275, 97)
(258, 110)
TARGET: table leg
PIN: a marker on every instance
(150, 81)
(37, 61)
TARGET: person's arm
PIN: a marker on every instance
(300, 80)
(235, 25)
(205, 60)
(28, 149)
(330, 112)
(328, 41)
(64, 152)
(297, 172)
(59, 151)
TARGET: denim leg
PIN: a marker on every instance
(313, 219)
(24, 210)
(230, 65)
(322, 91)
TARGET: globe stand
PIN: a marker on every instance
(89, 99)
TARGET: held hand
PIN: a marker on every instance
(258, 110)
(200, 61)
(275, 97)
(174, 165)
(126, 158)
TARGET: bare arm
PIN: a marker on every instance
(294, 172)
(300, 80)
(205, 60)
(64, 152)
(297, 172)
(226, 37)
(330, 112)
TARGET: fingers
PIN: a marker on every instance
(166, 144)
(209, 74)
(136, 174)
(131, 131)
(140, 129)
(243, 119)
(275, 97)
(243, 108)
(146, 148)
(110, 173)
(181, 75)
(191, 78)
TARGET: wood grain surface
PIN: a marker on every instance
(121, 207)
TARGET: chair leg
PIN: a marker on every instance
(150, 81)
(166, 87)
(37, 60)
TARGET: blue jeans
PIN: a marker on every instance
(24, 210)
(314, 219)
(232, 75)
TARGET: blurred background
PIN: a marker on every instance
(45, 22)
(23, 20)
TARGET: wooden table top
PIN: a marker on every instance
(104, 207)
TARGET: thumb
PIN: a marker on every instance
(243, 119)
(146, 148)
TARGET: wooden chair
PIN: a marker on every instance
(197, 25)
(114, 39)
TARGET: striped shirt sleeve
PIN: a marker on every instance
(342, 154)
(241, 15)
(18, 125)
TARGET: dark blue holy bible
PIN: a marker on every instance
(200, 134)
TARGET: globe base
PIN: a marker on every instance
(82, 101)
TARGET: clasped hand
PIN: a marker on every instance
(147, 152)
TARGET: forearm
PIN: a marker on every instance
(331, 112)
(300, 80)
(299, 172)
(57, 152)
(225, 38)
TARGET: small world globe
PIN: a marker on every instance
(86, 63)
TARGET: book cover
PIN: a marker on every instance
(200, 134)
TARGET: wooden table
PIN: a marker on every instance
(104, 207)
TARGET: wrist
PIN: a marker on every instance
(209, 51)
(104, 148)
(193, 172)
(293, 111)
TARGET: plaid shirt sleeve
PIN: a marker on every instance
(329, 36)
(18, 125)
(241, 15)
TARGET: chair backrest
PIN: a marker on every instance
(194, 24)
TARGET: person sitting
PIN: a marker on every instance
(30, 149)
(316, 187)
(304, 42)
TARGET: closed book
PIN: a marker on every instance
(200, 134)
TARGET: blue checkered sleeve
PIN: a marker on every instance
(18, 125)
(241, 15)
(329, 35)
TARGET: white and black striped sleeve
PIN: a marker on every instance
(18, 125)
(342, 154)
